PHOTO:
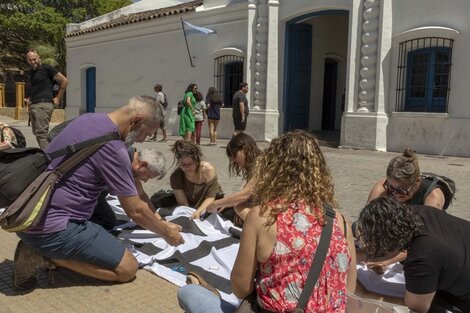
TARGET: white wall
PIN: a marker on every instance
(130, 59)
(449, 133)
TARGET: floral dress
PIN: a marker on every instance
(281, 279)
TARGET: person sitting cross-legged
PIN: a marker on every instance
(194, 181)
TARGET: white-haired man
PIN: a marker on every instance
(65, 236)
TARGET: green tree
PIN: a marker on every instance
(24, 23)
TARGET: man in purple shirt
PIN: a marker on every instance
(65, 237)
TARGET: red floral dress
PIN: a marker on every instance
(281, 279)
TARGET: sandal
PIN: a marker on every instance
(195, 279)
(163, 140)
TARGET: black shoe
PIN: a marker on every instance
(27, 263)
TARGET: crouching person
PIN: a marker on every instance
(65, 237)
(437, 267)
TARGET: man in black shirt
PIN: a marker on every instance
(41, 100)
(240, 109)
(437, 266)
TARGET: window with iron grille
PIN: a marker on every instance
(228, 74)
(423, 76)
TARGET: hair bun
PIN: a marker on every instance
(409, 153)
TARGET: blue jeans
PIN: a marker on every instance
(197, 299)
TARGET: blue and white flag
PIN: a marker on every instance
(191, 29)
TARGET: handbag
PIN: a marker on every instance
(250, 304)
(28, 209)
(20, 167)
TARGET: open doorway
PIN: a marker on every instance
(315, 72)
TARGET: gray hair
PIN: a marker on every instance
(146, 105)
(155, 161)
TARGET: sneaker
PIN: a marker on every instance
(27, 263)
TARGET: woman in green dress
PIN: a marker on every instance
(187, 123)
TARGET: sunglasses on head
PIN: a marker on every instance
(397, 190)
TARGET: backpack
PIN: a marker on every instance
(165, 101)
(20, 167)
(20, 139)
(446, 184)
(180, 107)
(29, 207)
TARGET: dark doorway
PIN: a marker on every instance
(329, 95)
(233, 77)
(91, 89)
(299, 61)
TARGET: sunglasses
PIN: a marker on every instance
(397, 190)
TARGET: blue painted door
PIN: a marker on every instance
(427, 79)
(91, 89)
(299, 55)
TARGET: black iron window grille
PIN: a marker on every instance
(228, 74)
(423, 76)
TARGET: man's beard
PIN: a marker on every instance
(131, 137)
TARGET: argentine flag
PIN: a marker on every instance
(191, 29)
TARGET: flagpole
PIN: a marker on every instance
(187, 46)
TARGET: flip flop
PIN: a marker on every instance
(195, 279)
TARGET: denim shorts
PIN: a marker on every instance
(82, 241)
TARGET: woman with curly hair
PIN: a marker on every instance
(242, 152)
(194, 181)
(282, 233)
(437, 270)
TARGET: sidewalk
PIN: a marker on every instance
(354, 172)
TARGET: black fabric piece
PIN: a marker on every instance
(148, 248)
(188, 226)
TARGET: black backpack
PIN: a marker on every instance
(165, 101)
(446, 184)
(20, 139)
(180, 107)
(20, 167)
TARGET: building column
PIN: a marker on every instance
(365, 125)
(261, 41)
(250, 47)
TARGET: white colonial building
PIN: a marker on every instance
(384, 74)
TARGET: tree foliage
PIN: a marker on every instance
(26, 24)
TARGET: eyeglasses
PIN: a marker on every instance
(398, 190)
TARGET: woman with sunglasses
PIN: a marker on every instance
(187, 122)
(404, 183)
(194, 181)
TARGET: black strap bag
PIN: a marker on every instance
(19, 167)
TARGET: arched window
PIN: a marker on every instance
(424, 68)
(228, 74)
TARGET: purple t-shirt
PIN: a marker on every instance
(109, 168)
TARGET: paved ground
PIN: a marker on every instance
(354, 173)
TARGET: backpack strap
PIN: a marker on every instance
(430, 188)
(76, 158)
(318, 260)
(78, 146)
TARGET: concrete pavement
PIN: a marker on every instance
(354, 172)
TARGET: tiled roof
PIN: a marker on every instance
(140, 17)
